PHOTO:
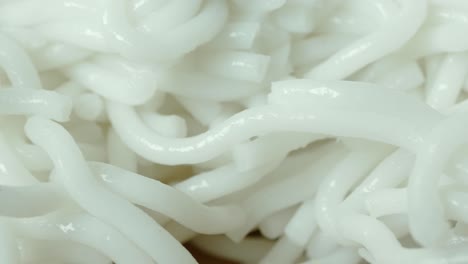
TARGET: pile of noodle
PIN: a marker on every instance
(263, 131)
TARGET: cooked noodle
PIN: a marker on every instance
(265, 131)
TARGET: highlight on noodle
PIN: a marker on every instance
(263, 131)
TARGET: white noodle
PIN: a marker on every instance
(9, 249)
(134, 44)
(334, 187)
(302, 225)
(260, 151)
(447, 82)
(59, 55)
(38, 102)
(154, 195)
(236, 65)
(169, 16)
(304, 183)
(366, 50)
(344, 255)
(428, 211)
(12, 172)
(321, 245)
(134, 85)
(253, 122)
(273, 226)
(29, 201)
(237, 35)
(33, 250)
(18, 66)
(264, 131)
(284, 251)
(208, 87)
(84, 229)
(53, 138)
(222, 181)
(88, 106)
(250, 250)
(165, 125)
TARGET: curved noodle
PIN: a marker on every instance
(70, 165)
(253, 122)
(372, 47)
(29, 201)
(85, 229)
(155, 195)
(170, 45)
(426, 214)
(47, 104)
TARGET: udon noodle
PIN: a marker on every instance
(264, 131)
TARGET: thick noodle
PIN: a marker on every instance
(263, 131)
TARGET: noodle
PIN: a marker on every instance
(321, 245)
(133, 44)
(263, 131)
(282, 252)
(273, 226)
(339, 256)
(368, 49)
(9, 251)
(447, 82)
(428, 212)
(29, 201)
(165, 125)
(250, 123)
(84, 229)
(304, 184)
(237, 35)
(302, 225)
(12, 172)
(69, 251)
(118, 153)
(130, 86)
(48, 135)
(38, 102)
(18, 66)
(334, 187)
(153, 195)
